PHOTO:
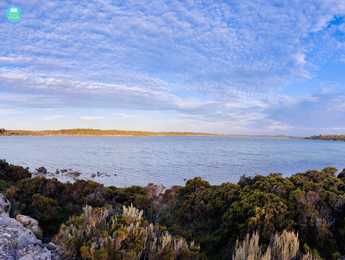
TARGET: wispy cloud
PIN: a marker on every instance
(228, 65)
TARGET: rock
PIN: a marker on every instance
(20, 243)
(56, 251)
(30, 223)
(103, 174)
(73, 174)
(42, 170)
(17, 242)
(5, 205)
(341, 175)
(52, 246)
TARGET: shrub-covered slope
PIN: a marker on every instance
(311, 204)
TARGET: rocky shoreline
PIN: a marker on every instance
(18, 237)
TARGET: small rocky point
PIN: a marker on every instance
(18, 242)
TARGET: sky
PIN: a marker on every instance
(233, 67)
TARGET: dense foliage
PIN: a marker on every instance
(10, 174)
(312, 204)
(52, 202)
(101, 234)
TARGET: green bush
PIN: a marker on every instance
(100, 233)
(52, 202)
(311, 203)
(4, 185)
(12, 173)
(214, 216)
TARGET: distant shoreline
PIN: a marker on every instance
(327, 137)
(96, 132)
(86, 132)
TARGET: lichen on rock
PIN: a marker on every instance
(17, 242)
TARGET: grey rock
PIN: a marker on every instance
(18, 242)
(42, 170)
(52, 246)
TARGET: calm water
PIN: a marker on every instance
(171, 160)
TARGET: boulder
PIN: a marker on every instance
(341, 175)
(18, 242)
(42, 170)
(30, 223)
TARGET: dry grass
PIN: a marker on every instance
(284, 246)
(100, 234)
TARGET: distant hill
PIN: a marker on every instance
(94, 132)
(327, 137)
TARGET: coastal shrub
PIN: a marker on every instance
(4, 185)
(257, 210)
(12, 173)
(52, 202)
(214, 216)
(47, 211)
(196, 211)
(100, 233)
(318, 209)
(249, 248)
(283, 246)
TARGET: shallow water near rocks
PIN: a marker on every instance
(125, 161)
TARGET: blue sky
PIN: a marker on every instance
(237, 67)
